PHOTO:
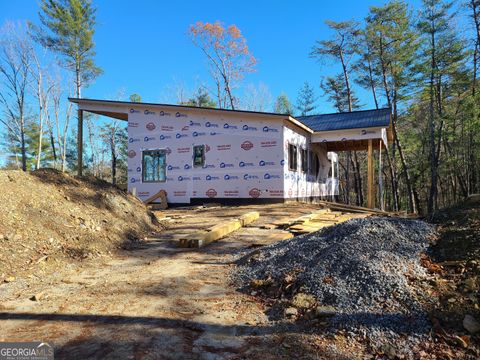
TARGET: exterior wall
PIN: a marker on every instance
(243, 158)
(300, 184)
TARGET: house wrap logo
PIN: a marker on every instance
(150, 126)
(134, 111)
(193, 123)
(148, 138)
(179, 114)
(254, 193)
(132, 154)
(246, 145)
(250, 177)
(139, 169)
(248, 128)
(148, 112)
(224, 147)
(171, 167)
(164, 137)
(268, 176)
(134, 180)
(225, 165)
(209, 124)
(195, 134)
(132, 140)
(210, 178)
(163, 113)
(211, 193)
(183, 178)
(365, 132)
(179, 136)
(269, 129)
(230, 177)
(228, 126)
(266, 163)
(245, 164)
(186, 167)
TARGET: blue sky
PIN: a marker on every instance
(143, 46)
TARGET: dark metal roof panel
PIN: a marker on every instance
(347, 120)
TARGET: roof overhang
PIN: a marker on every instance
(121, 109)
(336, 140)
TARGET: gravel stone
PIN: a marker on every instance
(357, 267)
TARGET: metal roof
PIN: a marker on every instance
(347, 120)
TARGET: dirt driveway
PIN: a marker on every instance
(158, 301)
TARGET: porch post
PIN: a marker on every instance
(380, 177)
(80, 143)
(370, 186)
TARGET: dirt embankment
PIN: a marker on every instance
(48, 218)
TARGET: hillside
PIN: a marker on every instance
(48, 218)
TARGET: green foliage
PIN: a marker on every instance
(135, 98)
(67, 28)
(306, 100)
(283, 105)
(336, 91)
(13, 147)
(201, 98)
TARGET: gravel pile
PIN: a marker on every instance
(360, 269)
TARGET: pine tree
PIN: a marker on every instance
(442, 54)
(67, 28)
(306, 100)
(283, 105)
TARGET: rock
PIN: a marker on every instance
(9, 279)
(325, 311)
(257, 283)
(303, 301)
(471, 284)
(471, 324)
(36, 297)
(291, 312)
(2, 237)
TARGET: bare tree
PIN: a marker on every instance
(257, 98)
(228, 55)
(15, 63)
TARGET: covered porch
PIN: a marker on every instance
(368, 130)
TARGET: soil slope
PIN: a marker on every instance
(48, 218)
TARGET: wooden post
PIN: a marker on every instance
(380, 176)
(371, 190)
(80, 143)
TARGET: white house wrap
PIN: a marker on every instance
(199, 154)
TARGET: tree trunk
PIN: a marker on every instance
(432, 197)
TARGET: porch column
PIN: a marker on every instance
(80, 143)
(370, 185)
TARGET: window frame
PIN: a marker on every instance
(292, 166)
(304, 160)
(314, 164)
(203, 147)
(149, 151)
